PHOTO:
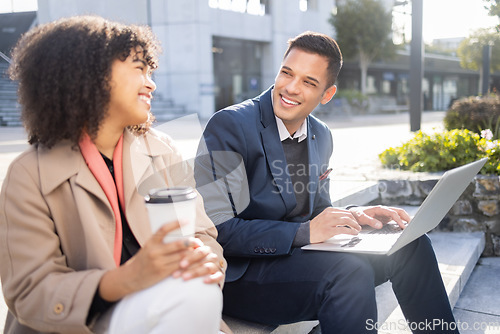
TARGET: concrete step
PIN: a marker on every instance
(9, 103)
(478, 309)
(10, 114)
(9, 109)
(244, 327)
(10, 119)
(348, 192)
(9, 99)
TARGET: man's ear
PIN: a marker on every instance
(328, 94)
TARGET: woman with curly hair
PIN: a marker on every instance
(77, 254)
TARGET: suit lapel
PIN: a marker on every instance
(275, 155)
(314, 164)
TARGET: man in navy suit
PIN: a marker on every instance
(262, 168)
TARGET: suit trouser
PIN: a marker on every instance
(338, 289)
(170, 306)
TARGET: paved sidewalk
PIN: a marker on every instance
(357, 142)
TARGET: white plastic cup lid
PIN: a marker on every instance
(170, 195)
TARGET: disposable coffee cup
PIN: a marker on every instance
(166, 205)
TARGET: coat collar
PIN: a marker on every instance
(70, 161)
(63, 161)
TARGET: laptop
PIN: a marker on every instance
(391, 237)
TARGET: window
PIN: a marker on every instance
(252, 7)
(237, 70)
(308, 5)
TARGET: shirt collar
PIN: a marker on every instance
(301, 133)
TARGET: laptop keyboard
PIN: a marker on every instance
(387, 229)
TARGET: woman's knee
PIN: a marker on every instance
(193, 295)
(201, 296)
(170, 304)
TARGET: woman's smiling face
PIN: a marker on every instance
(131, 89)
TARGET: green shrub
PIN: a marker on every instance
(475, 114)
(354, 97)
(443, 151)
(351, 95)
(460, 144)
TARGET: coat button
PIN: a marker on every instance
(58, 308)
(273, 250)
(256, 250)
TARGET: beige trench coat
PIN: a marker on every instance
(57, 228)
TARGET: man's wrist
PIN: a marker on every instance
(302, 237)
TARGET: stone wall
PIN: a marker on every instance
(477, 209)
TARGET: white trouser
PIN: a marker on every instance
(171, 306)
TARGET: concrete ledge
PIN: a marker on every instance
(478, 302)
(458, 254)
(345, 193)
(244, 327)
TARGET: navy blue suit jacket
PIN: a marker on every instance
(242, 176)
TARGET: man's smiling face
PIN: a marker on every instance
(300, 86)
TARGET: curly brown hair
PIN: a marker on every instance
(64, 68)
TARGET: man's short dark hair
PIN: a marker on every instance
(322, 45)
(64, 71)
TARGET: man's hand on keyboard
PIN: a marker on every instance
(377, 216)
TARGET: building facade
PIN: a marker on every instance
(444, 80)
(215, 52)
(220, 52)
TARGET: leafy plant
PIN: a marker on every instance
(354, 97)
(475, 114)
(443, 151)
(473, 132)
